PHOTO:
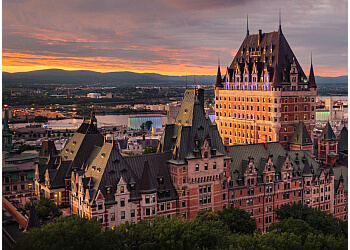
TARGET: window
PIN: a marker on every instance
(112, 216)
(100, 218)
(197, 167)
(148, 211)
(162, 207)
(223, 197)
(153, 198)
(183, 203)
(132, 213)
(205, 166)
(147, 199)
(122, 189)
(22, 178)
(122, 202)
(99, 206)
(22, 187)
(168, 205)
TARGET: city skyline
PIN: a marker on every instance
(176, 38)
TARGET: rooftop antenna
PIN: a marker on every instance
(311, 57)
(280, 22)
(247, 26)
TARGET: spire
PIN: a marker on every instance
(6, 121)
(280, 23)
(218, 77)
(93, 118)
(33, 220)
(276, 78)
(341, 178)
(247, 26)
(307, 170)
(331, 172)
(312, 81)
(146, 184)
(300, 135)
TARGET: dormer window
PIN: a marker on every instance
(103, 155)
(132, 186)
(74, 143)
(108, 189)
(122, 189)
(160, 180)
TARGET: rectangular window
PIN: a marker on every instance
(147, 200)
(132, 213)
(148, 211)
(183, 180)
(162, 207)
(99, 206)
(15, 188)
(153, 198)
(183, 203)
(100, 218)
(22, 178)
(112, 216)
(22, 187)
(122, 215)
(168, 205)
(122, 202)
(122, 189)
(205, 166)
(223, 197)
(197, 167)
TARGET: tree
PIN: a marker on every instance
(67, 233)
(321, 221)
(150, 149)
(296, 226)
(148, 125)
(143, 126)
(238, 220)
(45, 207)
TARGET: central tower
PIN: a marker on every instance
(264, 93)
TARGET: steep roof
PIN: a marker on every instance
(301, 136)
(33, 219)
(327, 133)
(312, 80)
(190, 130)
(268, 50)
(343, 140)
(300, 159)
(218, 78)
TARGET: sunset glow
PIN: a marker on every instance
(172, 39)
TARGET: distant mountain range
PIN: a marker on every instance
(57, 76)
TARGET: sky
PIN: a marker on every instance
(178, 37)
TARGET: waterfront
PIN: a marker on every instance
(102, 121)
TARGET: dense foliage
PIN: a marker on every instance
(44, 208)
(231, 228)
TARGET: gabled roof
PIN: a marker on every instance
(301, 136)
(343, 140)
(327, 133)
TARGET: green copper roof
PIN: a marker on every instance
(327, 133)
(301, 136)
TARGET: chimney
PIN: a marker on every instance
(259, 36)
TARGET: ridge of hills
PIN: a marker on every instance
(58, 76)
